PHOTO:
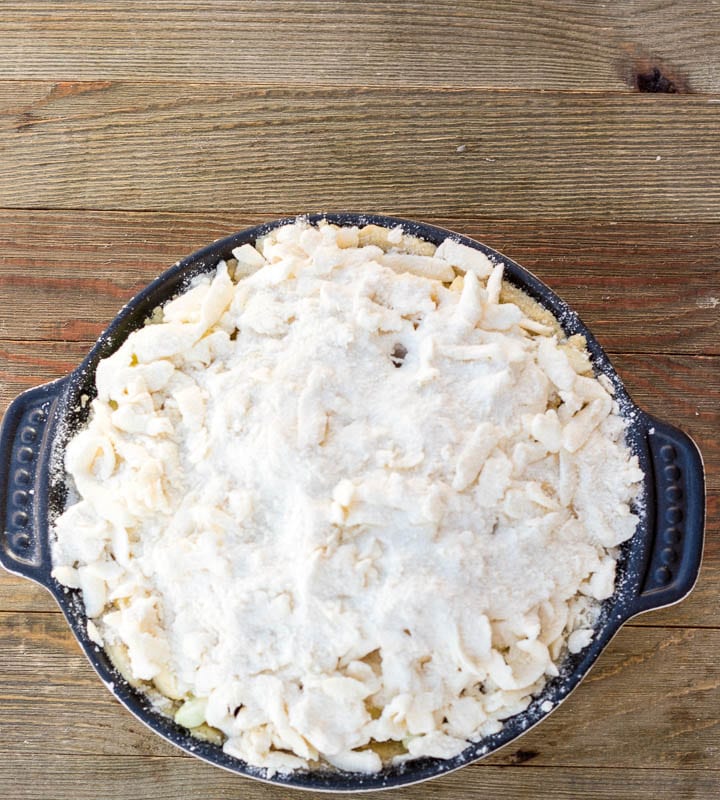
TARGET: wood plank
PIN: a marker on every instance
(569, 45)
(684, 390)
(65, 274)
(700, 607)
(21, 594)
(649, 681)
(27, 364)
(126, 777)
(181, 147)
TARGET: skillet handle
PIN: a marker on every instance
(677, 531)
(24, 451)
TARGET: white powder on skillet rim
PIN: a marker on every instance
(352, 499)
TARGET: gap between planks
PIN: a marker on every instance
(278, 85)
(181, 754)
(272, 214)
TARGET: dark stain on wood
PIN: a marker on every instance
(655, 82)
(652, 75)
(25, 120)
(523, 756)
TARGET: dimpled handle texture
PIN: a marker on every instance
(678, 532)
(24, 449)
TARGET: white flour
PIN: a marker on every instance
(337, 502)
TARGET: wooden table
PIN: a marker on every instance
(581, 139)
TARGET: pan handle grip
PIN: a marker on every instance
(24, 451)
(677, 531)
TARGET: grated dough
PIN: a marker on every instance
(340, 493)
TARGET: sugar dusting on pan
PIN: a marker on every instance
(568, 675)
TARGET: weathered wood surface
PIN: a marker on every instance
(69, 273)
(122, 777)
(132, 136)
(651, 679)
(259, 150)
(535, 44)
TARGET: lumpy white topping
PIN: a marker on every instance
(348, 496)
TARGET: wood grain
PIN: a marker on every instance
(423, 152)
(131, 134)
(69, 273)
(20, 594)
(534, 45)
(55, 703)
(122, 777)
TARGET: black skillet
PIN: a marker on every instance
(657, 567)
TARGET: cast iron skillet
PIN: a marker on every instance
(657, 567)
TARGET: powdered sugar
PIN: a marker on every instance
(312, 548)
